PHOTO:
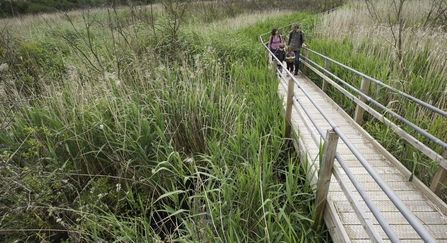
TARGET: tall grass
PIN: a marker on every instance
(353, 37)
(133, 142)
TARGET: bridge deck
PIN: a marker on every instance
(340, 216)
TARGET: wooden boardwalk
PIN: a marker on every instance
(340, 217)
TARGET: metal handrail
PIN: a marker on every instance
(427, 151)
(409, 216)
(375, 211)
(414, 222)
(389, 111)
(403, 94)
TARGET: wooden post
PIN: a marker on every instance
(324, 178)
(327, 65)
(289, 105)
(439, 181)
(364, 88)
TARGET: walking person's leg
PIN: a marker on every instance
(289, 67)
(297, 61)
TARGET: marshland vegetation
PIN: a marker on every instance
(162, 123)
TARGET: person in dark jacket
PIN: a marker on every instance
(280, 53)
(296, 40)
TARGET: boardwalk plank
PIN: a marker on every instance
(340, 212)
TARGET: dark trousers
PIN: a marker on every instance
(297, 60)
(290, 66)
(273, 51)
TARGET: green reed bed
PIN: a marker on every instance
(135, 142)
(352, 37)
(381, 70)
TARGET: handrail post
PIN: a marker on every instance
(439, 181)
(289, 105)
(324, 178)
(364, 88)
(327, 65)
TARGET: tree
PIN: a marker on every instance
(395, 21)
(437, 14)
(175, 12)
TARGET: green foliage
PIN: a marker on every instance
(37, 185)
(32, 61)
(137, 143)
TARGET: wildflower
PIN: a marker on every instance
(118, 187)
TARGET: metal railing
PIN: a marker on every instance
(363, 97)
(332, 137)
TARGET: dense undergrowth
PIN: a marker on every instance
(119, 129)
(146, 125)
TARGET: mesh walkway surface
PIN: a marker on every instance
(340, 217)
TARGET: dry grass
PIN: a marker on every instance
(355, 23)
(31, 25)
(240, 21)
